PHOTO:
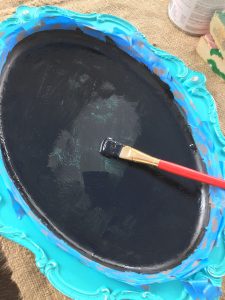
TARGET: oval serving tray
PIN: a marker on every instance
(62, 92)
(59, 238)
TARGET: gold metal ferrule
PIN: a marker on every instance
(132, 154)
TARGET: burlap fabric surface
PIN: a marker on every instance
(150, 17)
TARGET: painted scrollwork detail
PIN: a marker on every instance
(173, 72)
(216, 271)
(51, 270)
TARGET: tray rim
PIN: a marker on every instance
(184, 83)
(148, 269)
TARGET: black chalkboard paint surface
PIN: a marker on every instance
(62, 93)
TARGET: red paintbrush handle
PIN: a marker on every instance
(189, 173)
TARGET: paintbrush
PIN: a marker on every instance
(111, 148)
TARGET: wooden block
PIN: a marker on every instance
(208, 50)
(217, 30)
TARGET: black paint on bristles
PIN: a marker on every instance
(110, 148)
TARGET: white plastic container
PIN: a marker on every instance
(193, 16)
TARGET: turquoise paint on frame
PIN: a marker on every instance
(199, 276)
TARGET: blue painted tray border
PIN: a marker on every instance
(199, 276)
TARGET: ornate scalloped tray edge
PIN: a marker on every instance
(200, 275)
